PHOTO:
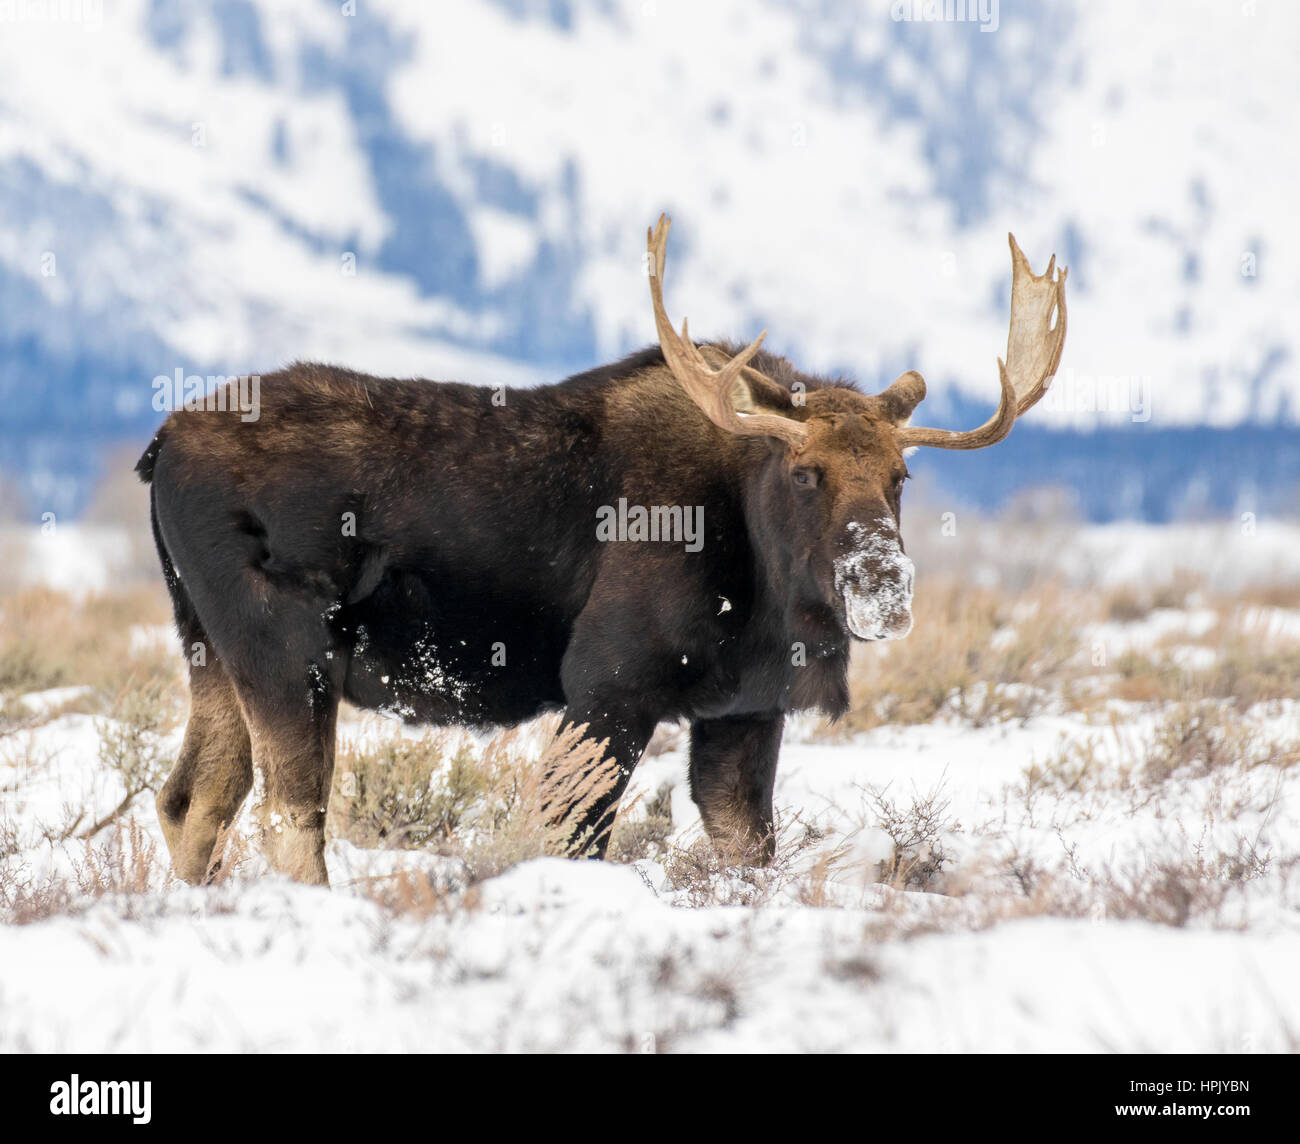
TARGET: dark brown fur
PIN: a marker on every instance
(475, 529)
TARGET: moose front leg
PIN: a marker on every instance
(601, 694)
(627, 732)
(733, 769)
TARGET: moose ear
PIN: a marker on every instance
(751, 392)
(904, 394)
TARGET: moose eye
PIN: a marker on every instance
(806, 477)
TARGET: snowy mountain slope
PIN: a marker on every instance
(191, 185)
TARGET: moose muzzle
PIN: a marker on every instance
(873, 576)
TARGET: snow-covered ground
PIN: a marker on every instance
(1081, 880)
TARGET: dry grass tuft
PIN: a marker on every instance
(132, 742)
(699, 876)
(917, 833)
(643, 834)
(414, 893)
(406, 793)
(124, 864)
(979, 655)
(1199, 738)
(492, 808)
(982, 655)
(52, 639)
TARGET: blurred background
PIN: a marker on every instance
(460, 190)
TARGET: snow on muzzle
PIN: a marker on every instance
(874, 578)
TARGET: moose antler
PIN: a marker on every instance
(719, 393)
(1033, 353)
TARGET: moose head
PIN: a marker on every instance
(831, 487)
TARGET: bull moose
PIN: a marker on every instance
(433, 549)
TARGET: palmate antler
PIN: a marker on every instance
(719, 393)
(1033, 352)
(1034, 348)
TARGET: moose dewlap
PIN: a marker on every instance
(434, 549)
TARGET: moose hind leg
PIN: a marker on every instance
(293, 744)
(732, 772)
(212, 776)
(289, 679)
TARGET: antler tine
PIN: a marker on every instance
(1034, 349)
(712, 390)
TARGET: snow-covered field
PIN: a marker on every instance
(1097, 874)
